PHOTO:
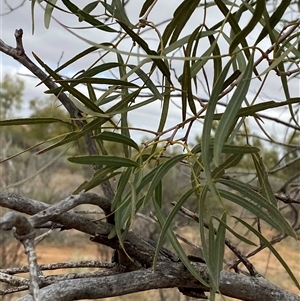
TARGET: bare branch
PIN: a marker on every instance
(165, 275)
(25, 234)
(62, 265)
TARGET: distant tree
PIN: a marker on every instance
(11, 92)
(228, 57)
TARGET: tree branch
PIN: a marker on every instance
(167, 274)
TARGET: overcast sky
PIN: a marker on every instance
(50, 44)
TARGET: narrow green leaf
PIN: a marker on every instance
(208, 121)
(274, 19)
(76, 135)
(124, 116)
(48, 12)
(81, 55)
(229, 116)
(212, 262)
(219, 247)
(120, 207)
(104, 160)
(119, 12)
(257, 14)
(92, 94)
(90, 7)
(186, 78)
(32, 120)
(201, 213)
(228, 149)
(146, 5)
(196, 67)
(122, 106)
(116, 137)
(233, 160)
(158, 194)
(217, 61)
(271, 248)
(180, 18)
(84, 109)
(255, 209)
(182, 41)
(32, 15)
(165, 111)
(262, 175)
(86, 17)
(231, 79)
(98, 69)
(233, 24)
(101, 81)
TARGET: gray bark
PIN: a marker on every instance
(168, 273)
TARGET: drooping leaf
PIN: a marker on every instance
(208, 121)
(124, 115)
(186, 78)
(119, 206)
(48, 12)
(274, 19)
(264, 183)
(165, 111)
(229, 116)
(119, 12)
(181, 16)
(145, 7)
(257, 14)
